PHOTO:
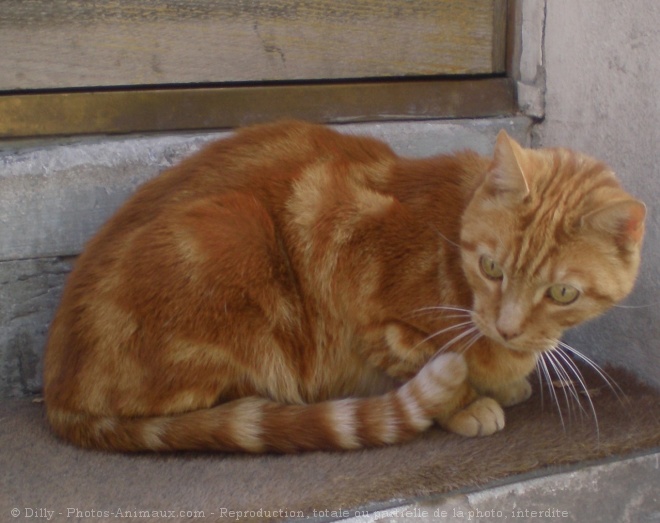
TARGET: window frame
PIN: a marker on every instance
(170, 108)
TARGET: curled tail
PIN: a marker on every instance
(259, 425)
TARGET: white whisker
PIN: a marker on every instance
(560, 373)
(580, 378)
(474, 339)
(553, 392)
(610, 382)
(456, 339)
(447, 317)
(446, 239)
(440, 332)
(567, 365)
(444, 308)
(637, 306)
(540, 377)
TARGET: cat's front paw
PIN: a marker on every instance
(512, 393)
(480, 418)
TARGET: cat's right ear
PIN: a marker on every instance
(623, 219)
(506, 176)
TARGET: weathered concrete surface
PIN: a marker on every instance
(29, 293)
(54, 196)
(624, 491)
(602, 92)
(528, 48)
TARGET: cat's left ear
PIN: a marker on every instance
(506, 176)
(624, 219)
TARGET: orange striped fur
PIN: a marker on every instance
(292, 288)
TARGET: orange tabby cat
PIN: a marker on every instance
(291, 288)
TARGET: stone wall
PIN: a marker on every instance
(602, 97)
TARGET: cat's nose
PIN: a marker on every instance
(508, 334)
(511, 319)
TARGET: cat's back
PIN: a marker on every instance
(263, 159)
(211, 231)
(263, 169)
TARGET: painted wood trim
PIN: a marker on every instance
(108, 112)
(50, 44)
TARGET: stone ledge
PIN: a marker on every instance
(41, 471)
(624, 490)
(29, 293)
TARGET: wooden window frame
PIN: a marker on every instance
(44, 113)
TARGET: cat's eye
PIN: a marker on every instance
(490, 268)
(563, 294)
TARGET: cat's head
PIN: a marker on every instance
(548, 241)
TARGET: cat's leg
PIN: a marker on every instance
(401, 350)
(482, 417)
(501, 373)
(398, 349)
(499, 376)
(511, 393)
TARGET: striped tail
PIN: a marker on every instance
(259, 425)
